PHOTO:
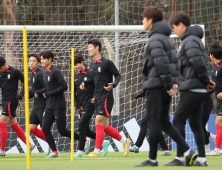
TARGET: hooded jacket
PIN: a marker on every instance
(194, 70)
(160, 65)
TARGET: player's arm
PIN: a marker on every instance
(20, 76)
(63, 86)
(112, 68)
(198, 62)
(162, 63)
(142, 94)
(41, 80)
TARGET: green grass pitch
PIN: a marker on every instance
(113, 161)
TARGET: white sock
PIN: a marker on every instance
(201, 159)
(179, 158)
(152, 160)
(97, 150)
(123, 140)
(79, 152)
(207, 147)
(104, 142)
(213, 137)
(187, 152)
(217, 150)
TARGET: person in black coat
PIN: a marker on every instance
(195, 81)
(160, 80)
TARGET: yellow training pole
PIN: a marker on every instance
(26, 86)
(72, 105)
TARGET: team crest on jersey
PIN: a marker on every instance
(8, 76)
(48, 78)
(99, 69)
(85, 78)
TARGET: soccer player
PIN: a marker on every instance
(84, 100)
(37, 83)
(160, 76)
(195, 81)
(55, 101)
(102, 72)
(9, 77)
(143, 132)
(216, 56)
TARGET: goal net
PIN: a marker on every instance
(125, 50)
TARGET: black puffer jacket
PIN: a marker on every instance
(194, 70)
(160, 66)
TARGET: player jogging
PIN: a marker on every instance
(9, 77)
(216, 56)
(102, 72)
(55, 101)
(85, 107)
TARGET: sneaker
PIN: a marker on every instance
(197, 163)
(53, 155)
(165, 153)
(2, 153)
(77, 155)
(126, 147)
(49, 150)
(191, 158)
(147, 163)
(214, 153)
(87, 146)
(175, 162)
(105, 147)
(134, 149)
(92, 155)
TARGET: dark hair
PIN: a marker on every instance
(95, 43)
(37, 56)
(216, 50)
(153, 13)
(2, 61)
(78, 58)
(47, 54)
(180, 17)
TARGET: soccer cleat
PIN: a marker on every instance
(32, 147)
(92, 155)
(207, 153)
(190, 159)
(134, 149)
(165, 153)
(87, 146)
(147, 163)
(2, 153)
(77, 155)
(53, 155)
(126, 147)
(197, 163)
(175, 162)
(214, 153)
(105, 147)
(49, 150)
